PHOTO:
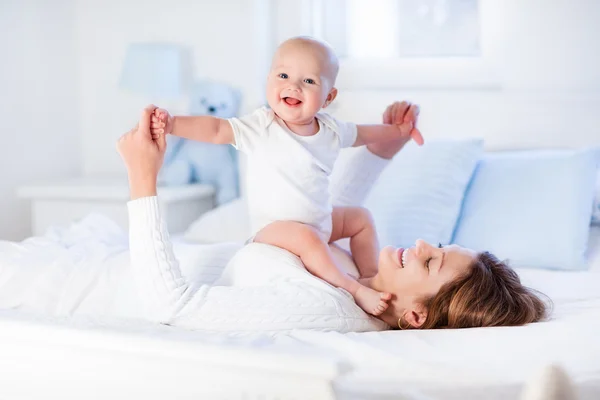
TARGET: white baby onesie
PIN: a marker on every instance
(288, 174)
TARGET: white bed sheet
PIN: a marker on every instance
(490, 363)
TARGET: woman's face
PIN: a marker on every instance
(416, 273)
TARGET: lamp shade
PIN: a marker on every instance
(155, 70)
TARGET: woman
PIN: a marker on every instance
(265, 288)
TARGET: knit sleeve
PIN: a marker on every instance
(353, 176)
(161, 287)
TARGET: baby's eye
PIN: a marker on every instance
(310, 81)
(283, 75)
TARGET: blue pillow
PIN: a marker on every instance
(419, 195)
(532, 208)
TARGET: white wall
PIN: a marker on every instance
(219, 34)
(41, 138)
(551, 84)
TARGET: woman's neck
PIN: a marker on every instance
(389, 316)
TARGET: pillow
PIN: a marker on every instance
(596, 209)
(593, 249)
(531, 207)
(420, 193)
(227, 223)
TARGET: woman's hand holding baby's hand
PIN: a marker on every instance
(142, 155)
(404, 115)
(162, 122)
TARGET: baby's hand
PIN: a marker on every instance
(162, 122)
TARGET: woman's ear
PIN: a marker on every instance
(330, 97)
(416, 317)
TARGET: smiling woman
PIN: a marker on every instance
(452, 287)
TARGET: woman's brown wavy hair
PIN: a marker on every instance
(490, 294)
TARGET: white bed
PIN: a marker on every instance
(78, 356)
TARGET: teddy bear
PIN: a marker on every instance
(188, 161)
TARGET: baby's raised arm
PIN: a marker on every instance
(399, 122)
(201, 128)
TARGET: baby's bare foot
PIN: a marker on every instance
(372, 301)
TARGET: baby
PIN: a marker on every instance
(291, 149)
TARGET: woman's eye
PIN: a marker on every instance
(427, 262)
(283, 76)
(309, 81)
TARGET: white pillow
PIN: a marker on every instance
(227, 223)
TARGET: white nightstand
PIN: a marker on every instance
(63, 202)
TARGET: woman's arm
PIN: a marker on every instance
(356, 170)
(162, 288)
(353, 176)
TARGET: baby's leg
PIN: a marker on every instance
(305, 242)
(357, 224)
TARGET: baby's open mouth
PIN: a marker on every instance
(290, 101)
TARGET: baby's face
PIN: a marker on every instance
(300, 80)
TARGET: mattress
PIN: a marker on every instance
(76, 345)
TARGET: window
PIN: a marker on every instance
(401, 43)
(399, 28)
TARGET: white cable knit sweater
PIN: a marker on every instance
(263, 288)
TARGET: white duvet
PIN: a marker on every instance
(82, 272)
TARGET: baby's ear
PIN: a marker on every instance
(330, 97)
